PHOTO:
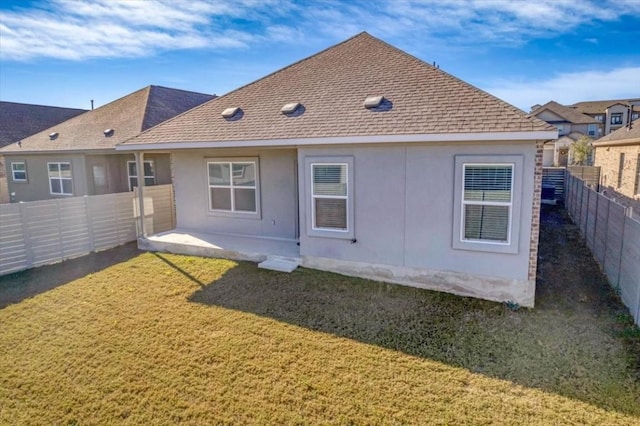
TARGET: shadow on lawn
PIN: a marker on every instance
(549, 347)
(18, 286)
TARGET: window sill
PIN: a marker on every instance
(234, 215)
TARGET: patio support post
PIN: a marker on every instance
(140, 174)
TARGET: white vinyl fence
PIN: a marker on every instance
(42, 232)
(613, 237)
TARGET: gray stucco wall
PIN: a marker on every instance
(404, 200)
(278, 212)
(37, 185)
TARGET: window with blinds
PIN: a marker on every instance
(330, 195)
(486, 202)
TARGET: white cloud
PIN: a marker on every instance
(569, 88)
(71, 29)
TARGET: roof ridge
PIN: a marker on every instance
(173, 89)
(43, 106)
(360, 34)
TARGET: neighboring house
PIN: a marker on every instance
(77, 157)
(18, 121)
(571, 125)
(618, 156)
(611, 115)
(377, 164)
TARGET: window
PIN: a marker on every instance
(486, 202)
(233, 186)
(560, 129)
(634, 116)
(591, 129)
(330, 192)
(636, 190)
(620, 169)
(488, 191)
(19, 171)
(329, 206)
(149, 174)
(616, 118)
(599, 117)
(60, 181)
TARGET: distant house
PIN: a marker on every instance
(618, 156)
(17, 121)
(361, 160)
(571, 125)
(77, 157)
(610, 114)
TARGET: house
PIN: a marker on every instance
(571, 125)
(611, 115)
(19, 120)
(77, 157)
(361, 160)
(618, 156)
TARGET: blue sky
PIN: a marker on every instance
(67, 52)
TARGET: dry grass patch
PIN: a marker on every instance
(161, 339)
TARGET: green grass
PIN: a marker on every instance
(163, 339)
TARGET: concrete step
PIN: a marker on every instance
(280, 264)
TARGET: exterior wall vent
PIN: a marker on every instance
(53, 135)
(230, 112)
(290, 108)
(108, 132)
(373, 101)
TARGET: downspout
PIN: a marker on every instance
(140, 172)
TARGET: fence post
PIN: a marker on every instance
(624, 221)
(606, 236)
(595, 225)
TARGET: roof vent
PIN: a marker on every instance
(230, 112)
(290, 108)
(53, 135)
(373, 101)
(108, 132)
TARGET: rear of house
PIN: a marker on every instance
(368, 162)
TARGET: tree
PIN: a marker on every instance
(581, 150)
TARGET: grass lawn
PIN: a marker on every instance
(160, 339)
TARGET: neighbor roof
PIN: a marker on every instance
(623, 136)
(598, 107)
(17, 121)
(126, 117)
(332, 86)
(571, 115)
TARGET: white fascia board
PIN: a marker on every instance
(346, 140)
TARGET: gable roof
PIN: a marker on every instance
(569, 114)
(623, 136)
(598, 107)
(332, 87)
(127, 117)
(17, 120)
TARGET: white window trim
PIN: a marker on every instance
(129, 176)
(487, 203)
(512, 245)
(332, 197)
(234, 213)
(313, 231)
(59, 163)
(13, 172)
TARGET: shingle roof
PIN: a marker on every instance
(127, 116)
(569, 114)
(597, 107)
(17, 121)
(623, 134)
(332, 87)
